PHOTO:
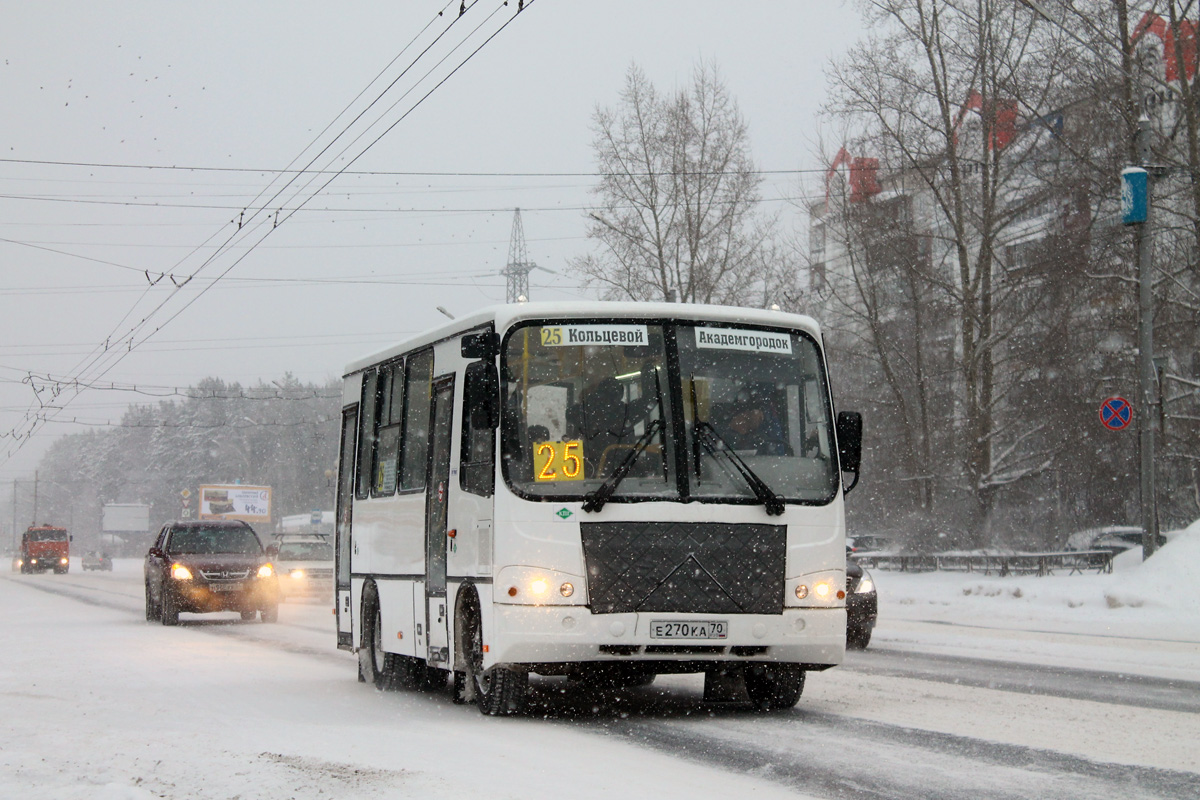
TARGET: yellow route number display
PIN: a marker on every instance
(558, 461)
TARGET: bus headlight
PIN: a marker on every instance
(535, 586)
(818, 590)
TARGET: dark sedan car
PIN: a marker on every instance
(214, 565)
(862, 606)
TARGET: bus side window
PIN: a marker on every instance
(478, 468)
(366, 435)
(414, 452)
(391, 407)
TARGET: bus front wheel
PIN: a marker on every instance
(499, 691)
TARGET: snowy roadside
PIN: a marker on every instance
(1143, 619)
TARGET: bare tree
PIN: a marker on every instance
(962, 102)
(678, 213)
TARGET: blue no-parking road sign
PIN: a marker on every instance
(1116, 413)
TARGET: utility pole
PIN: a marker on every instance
(1148, 375)
(35, 483)
(519, 266)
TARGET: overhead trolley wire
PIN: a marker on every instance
(110, 355)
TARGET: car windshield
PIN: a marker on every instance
(210, 540)
(305, 551)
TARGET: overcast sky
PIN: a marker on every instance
(241, 90)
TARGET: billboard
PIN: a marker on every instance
(125, 517)
(248, 503)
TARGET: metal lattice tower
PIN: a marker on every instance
(519, 266)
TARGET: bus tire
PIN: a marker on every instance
(374, 664)
(499, 691)
(773, 687)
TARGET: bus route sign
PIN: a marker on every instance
(1116, 413)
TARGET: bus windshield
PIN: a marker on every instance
(581, 399)
(590, 403)
(761, 402)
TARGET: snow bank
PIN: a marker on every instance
(1170, 578)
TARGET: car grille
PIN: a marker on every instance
(695, 567)
(224, 574)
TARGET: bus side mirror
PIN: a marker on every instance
(485, 344)
(483, 395)
(849, 440)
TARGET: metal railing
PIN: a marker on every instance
(1073, 561)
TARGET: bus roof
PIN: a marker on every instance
(504, 316)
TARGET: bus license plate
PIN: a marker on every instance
(675, 629)
(226, 587)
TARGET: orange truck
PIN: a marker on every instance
(45, 547)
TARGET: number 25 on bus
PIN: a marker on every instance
(604, 491)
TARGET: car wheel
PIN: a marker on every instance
(151, 610)
(858, 637)
(499, 691)
(249, 615)
(773, 687)
(269, 614)
(169, 608)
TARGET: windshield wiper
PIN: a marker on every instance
(706, 435)
(595, 499)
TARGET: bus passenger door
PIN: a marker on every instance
(345, 501)
(437, 499)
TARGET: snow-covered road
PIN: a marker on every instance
(98, 703)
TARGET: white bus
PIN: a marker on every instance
(603, 491)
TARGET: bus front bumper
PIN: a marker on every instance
(572, 634)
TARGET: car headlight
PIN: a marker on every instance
(866, 585)
(266, 571)
(298, 574)
(180, 573)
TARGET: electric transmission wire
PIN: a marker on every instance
(110, 353)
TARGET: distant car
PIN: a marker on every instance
(212, 565)
(98, 561)
(872, 542)
(862, 606)
(305, 567)
(1114, 538)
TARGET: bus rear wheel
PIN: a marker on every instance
(374, 664)
(773, 687)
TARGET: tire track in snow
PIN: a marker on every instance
(1115, 688)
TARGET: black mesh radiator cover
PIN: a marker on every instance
(691, 567)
